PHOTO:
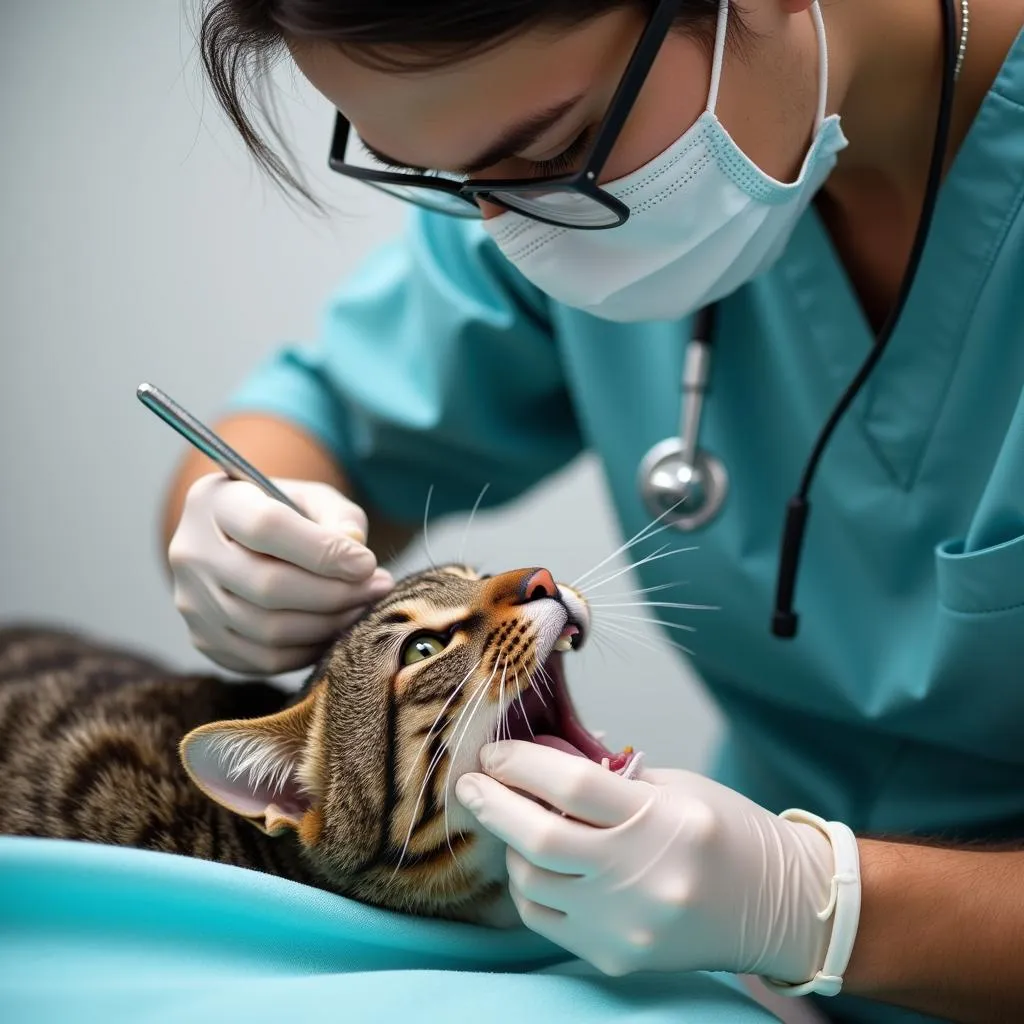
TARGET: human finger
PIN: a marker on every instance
(328, 506)
(240, 654)
(275, 584)
(543, 837)
(544, 921)
(283, 628)
(261, 524)
(539, 885)
(575, 785)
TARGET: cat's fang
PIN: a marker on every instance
(544, 713)
(568, 639)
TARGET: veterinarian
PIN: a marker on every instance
(861, 840)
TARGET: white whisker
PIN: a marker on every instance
(635, 539)
(427, 774)
(474, 702)
(426, 538)
(656, 556)
(465, 710)
(604, 645)
(618, 616)
(641, 641)
(657, 604)
(440, 714)
(522, 707)
(469, 521)
(602, 581)
(501, 702)
(646, 590)
(549, 683)
(652, 644)
(502, 718)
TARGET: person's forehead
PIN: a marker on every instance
(428, 117)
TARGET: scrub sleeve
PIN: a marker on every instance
(434, 367)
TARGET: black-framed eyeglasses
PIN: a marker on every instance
(572, 200)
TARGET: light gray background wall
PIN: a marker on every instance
(137, 242)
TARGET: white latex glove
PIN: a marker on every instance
(667, 872)
(261, 588)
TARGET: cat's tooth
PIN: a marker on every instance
(563, 643)
(631, 769)
(606, 763)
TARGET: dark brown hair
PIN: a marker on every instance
(240, 40)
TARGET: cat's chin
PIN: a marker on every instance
(544, 713)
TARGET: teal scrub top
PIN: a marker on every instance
(899, 706)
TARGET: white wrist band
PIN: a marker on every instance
(844, 903)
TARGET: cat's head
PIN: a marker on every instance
(362, 767)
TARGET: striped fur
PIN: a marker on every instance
(349, 783)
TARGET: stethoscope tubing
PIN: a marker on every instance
(677, 469)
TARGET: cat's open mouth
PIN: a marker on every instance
(544, 713)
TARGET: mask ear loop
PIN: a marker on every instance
(716, 64)
(819, 27)
(719, 60)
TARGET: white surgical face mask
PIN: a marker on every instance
(704, 219)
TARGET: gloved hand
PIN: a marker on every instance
(670, 871)
(261, 588)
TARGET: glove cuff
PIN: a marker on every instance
(844, 904)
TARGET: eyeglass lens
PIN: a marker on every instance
(573, 209)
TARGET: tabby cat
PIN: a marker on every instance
(349, 782)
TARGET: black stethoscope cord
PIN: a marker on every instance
(784, 619)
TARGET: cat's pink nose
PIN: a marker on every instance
(538, 585)
(520, 586)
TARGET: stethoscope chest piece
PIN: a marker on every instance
(681, 483)
(683, 490)
(686, 486)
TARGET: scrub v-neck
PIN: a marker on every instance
(978, 201)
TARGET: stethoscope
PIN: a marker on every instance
(681, 483)
(686, 486)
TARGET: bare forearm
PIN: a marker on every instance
(941, 931)
(278, 449)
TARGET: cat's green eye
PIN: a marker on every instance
(423, 646)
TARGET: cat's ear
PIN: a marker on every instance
(255, 767)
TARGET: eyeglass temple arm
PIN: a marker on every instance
(631, 83)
